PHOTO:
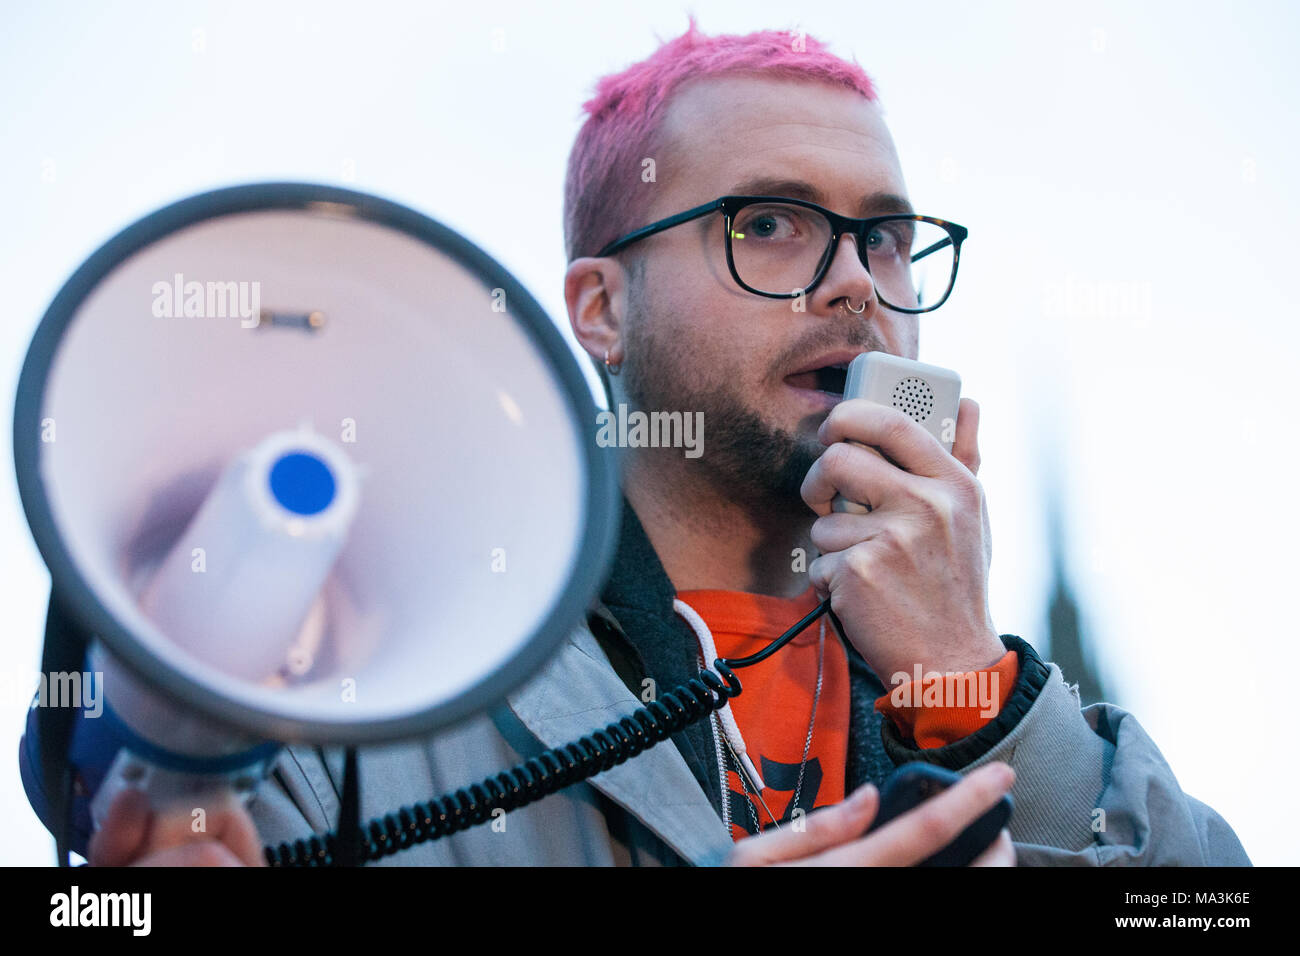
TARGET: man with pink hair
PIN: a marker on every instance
(732, 211)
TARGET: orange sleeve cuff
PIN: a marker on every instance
(939, 709)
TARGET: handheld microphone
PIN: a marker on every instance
(927, 394)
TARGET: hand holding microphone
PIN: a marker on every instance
(927, 394)
(909, 580)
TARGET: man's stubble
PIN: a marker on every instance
(744, 456)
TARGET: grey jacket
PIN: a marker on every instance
(1091, 787)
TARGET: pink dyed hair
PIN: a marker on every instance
(601, 201)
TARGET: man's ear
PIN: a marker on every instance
(595, 291)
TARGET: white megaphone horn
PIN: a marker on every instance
(226, 578)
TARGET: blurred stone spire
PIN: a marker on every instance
(1070, 648)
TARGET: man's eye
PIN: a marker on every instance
(885, 240)
(768, 224)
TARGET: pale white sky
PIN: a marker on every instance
(1122, 314)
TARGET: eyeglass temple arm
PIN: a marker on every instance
(660, 226)
(941, 244)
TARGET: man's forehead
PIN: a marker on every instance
(721, 132)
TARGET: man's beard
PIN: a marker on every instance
(744, 456)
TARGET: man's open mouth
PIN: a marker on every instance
(828, 378)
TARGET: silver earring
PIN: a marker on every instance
(614, 368)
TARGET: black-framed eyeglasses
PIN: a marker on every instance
(781, 248)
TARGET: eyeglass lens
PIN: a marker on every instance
(780, 248)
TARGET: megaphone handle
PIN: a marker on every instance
(169, 790)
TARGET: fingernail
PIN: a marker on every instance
(862, 794)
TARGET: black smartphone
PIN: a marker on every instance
(913, 783)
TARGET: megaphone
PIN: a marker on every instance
(305, 466)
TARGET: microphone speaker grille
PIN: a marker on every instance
(915, 397)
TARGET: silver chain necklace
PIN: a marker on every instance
(807, 746)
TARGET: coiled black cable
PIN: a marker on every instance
(527, 782)
(539, 776)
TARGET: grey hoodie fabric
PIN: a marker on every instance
(1091, 787)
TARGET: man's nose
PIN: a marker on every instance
(846, 275)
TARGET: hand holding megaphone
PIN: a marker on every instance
(135, 833)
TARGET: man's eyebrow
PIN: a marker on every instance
(883, 203)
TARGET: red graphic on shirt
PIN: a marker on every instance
(774, 709)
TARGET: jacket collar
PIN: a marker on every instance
(579, 692)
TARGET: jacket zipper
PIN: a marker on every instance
(714, 727)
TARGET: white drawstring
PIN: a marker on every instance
(728, 720)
